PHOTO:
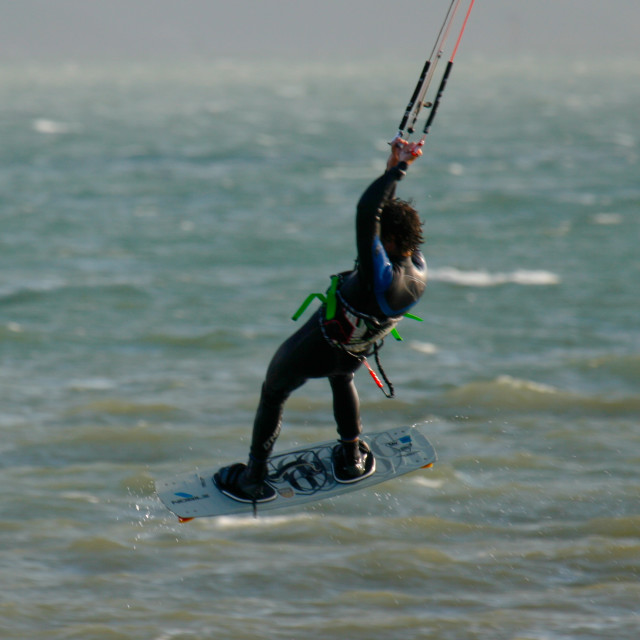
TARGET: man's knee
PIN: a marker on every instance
(341, 380)
(273, 393)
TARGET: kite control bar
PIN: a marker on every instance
(417, 100)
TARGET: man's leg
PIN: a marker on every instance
(268, 420)
(346, 406)
(247, 482)
(288, 370)
(305, 354)
(352, 459)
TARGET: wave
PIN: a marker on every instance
(117, 407)
(56, 286)
(482, 278)
(13, 331)
(614, 527)
(427, 348)
(91, 384)
(506, 393)
(212, 340)
(53, 127)
(107, 442)
(20, 292)
(624, 367)
(608, 218)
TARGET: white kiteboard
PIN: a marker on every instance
(299, 476)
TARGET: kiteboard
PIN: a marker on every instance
(299, 476)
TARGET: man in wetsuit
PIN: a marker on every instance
(389, 278)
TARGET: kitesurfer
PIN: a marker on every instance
(389, 277)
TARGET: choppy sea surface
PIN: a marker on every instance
(159, 226)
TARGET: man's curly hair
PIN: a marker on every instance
(400, 221)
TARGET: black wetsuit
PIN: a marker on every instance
(371, 299)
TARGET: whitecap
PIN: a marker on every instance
(538, 278)
(91, 384)
(46, 284)
(246, 520)
(607, 218)
(424, 347)
(482, 278)
(81, 496)
(51, 127)
(624, 140)
(526, 385)
(427, 482)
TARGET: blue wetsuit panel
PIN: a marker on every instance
(383, 276)
(382, 268)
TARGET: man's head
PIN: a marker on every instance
(400, 228)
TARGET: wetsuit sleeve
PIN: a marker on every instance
(371, 254)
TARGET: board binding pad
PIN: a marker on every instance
(299, 476)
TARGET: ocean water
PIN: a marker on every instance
(159, 226)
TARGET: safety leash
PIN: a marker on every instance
(389, 394)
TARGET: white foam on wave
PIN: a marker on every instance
(424, 347)
(45, 284)
(52, 127)
(91, 384)
(607, 218)
(482, 278)
(624, 139)
(526, 385)
(263, 520)
(426, 482)
(82, 496)
(455, 169)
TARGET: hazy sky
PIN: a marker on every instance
(77, 30)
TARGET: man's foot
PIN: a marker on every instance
(245, 483)
(351, 463)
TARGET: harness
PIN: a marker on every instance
(353, 331)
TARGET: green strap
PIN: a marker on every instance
(329, 300)
(394, 331)
(306, 303)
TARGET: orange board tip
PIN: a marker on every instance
(427, 466)
(184, 519)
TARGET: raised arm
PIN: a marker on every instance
(370, 206)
